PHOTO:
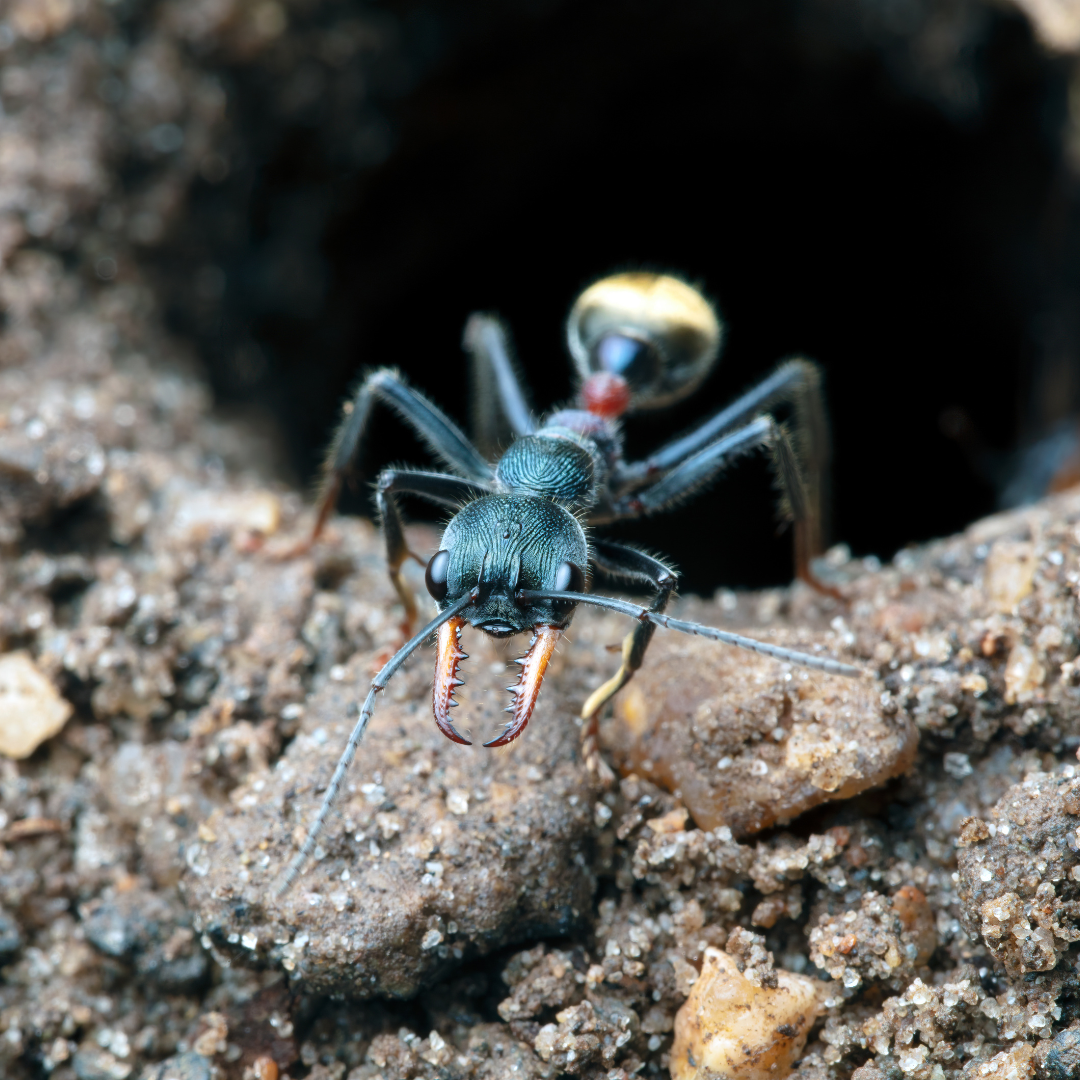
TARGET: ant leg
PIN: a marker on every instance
(798, 383)
(453, 492)
(813, 446)
(643, 614)
(623, 562)
(450, 491)
(397, 551)
(441, 434)
(378, 684)
(500, 408)
(693, 473)
(697, 470)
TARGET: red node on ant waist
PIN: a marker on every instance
(605, 394)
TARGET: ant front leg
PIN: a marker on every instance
(397, 549)
(619, 561)
(448, 491)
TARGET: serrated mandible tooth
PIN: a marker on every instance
(446, 680)
(534, 664)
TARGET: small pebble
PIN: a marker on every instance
(189, 1066)
(31, 710)
(730, 1028)
(694, 718)
(93, 1063)
(205, 512)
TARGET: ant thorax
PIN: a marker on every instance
(568, 460)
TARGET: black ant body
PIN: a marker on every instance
(516, 555)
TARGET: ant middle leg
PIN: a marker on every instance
(619, 561)
(699, 469)
(796, 383)
(692, 473)
(443, 437)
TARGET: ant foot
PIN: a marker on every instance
(822, 588)
(249, 542)
(282, 550)
(382, 657)
(405, 629)
(595, 763)
(287, 552)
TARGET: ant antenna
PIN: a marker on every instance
(346, 759)
(642, 614)
(817, 663)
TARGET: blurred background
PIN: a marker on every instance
(888, 186)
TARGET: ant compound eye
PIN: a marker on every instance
(435, 575)
(637, 361)
(569, 578)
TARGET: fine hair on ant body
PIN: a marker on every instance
(517, 552)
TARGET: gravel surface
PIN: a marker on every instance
(211, 681)
(173, 693)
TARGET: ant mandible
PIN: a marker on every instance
(517, 553)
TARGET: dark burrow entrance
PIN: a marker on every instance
(841, 190)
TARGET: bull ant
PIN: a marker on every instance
(517, 554)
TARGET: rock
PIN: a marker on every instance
(189, 1066)
(539, 981)
(39, 476)
(747, 741)
(10, 938)
(729, 1027)
(1023, 676)
(1012, 1064)
(489, 1053)
(31, 710)
(886, 938)
(915, 1033)
(199, 514)
(109, 931)
(1059, 1058)
(1056, 25)
(439, 878)
(1020, 876)
(1009, 574)
(143, 928)
(586, 1033)
(94, 1063)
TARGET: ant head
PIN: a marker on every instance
(641, 341)
(500, 544)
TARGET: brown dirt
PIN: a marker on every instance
(470, 914)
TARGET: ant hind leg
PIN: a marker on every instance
(500, 409)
